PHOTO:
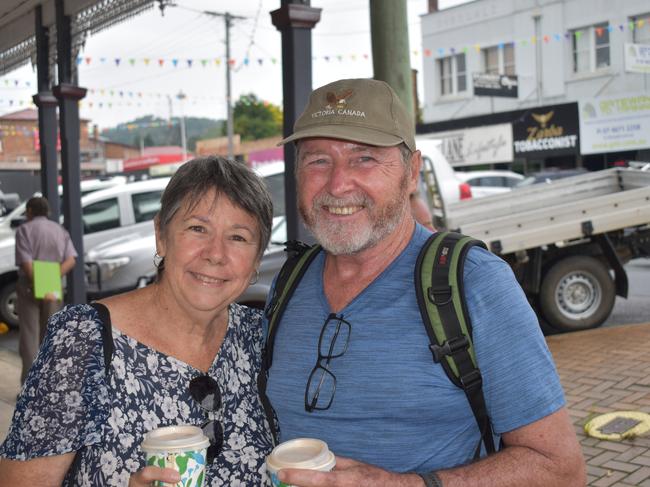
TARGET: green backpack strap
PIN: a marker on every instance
(299, 257)
(441, 299)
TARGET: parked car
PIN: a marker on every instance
(127, 209)
(124, 263)
(443, 186)
(487, 183)
(8, 202)
(550, 175)
(12, 220)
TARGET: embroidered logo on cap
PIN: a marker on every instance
(337, 105)
(339, 100)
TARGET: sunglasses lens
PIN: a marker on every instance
(205, 390)
(214, 433)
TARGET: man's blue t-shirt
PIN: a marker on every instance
(393, 406)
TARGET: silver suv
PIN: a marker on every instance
(127, 209)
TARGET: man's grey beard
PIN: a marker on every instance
(343, 239)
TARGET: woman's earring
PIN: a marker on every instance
(256, 277)
(157, 260)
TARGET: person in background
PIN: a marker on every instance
(38, 239)
(184, 351)
(420, 211)
(351, 362)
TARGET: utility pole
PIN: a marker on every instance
(228, 18)
(391, 58)
(181, 96)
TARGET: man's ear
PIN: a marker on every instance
(416, 165)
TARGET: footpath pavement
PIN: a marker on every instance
(607, 370)
(603, 370)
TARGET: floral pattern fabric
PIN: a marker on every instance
(69, 404)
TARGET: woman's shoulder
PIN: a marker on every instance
(74, 317)
(247, 322)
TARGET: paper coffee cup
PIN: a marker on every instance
(308, 453)
(182, 448)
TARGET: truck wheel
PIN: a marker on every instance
(9, 305)
(577, 293)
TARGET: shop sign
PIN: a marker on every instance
(637, 58)
(495, 85)
(547, 131)
(481, 145)
(615, 123)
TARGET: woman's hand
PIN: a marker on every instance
(150, 474)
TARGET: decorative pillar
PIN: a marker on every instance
(69, 95)
(47, 126)
(294, 20)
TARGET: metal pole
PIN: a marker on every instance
(228, 18)
(538, 57)
(47, 118)
(390, 48)
(69, 95)
(295, 20)
(229, 121)
(181, 96)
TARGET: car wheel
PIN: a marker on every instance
(577, 293)
(9, 305)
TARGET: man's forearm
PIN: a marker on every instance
(28, 269)
(516, 466)
(67, 265)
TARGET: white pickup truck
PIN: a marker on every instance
(566, 241)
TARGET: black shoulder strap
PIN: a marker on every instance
(107, 334)
(441, 299)
(107, 343)
(299, 257)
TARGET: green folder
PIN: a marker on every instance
(47, 278)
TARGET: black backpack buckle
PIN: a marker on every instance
(295, 247)
(450, 347)
(440, 295)
(471, 380)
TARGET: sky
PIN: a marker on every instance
(173, 64)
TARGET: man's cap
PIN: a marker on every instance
(359, 110)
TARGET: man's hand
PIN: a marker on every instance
(349, 473)
(50, 297)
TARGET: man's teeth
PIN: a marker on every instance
(344, 210)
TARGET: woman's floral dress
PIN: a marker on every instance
(69, 404)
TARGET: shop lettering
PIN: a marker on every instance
(543, 133)
(564, 142)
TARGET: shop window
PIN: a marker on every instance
(453, 74)
(590, 48)
(641, 31)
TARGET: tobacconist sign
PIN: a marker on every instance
(547, 131)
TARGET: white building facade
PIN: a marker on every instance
(555, 59)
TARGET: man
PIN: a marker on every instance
(351, 363)
(38, 239)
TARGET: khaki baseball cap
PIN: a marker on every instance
(358, 110)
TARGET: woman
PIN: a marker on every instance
(78, 424)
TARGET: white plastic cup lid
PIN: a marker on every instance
(308, 453)
(181, 437)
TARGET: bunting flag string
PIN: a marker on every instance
(355, 57)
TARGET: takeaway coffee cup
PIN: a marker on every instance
(308, 453)
(182, 448)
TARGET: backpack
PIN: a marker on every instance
(440, 296)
